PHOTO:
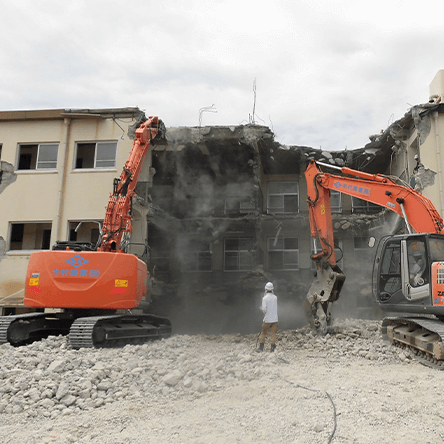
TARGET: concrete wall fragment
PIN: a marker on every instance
(422, 123)
(7, 175)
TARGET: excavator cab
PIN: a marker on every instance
(408, 274)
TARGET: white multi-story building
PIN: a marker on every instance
(57, 169)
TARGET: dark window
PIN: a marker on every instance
(41, 156)
(390, 275)
(283, 197)
(198, 260)
(238, 254)
(159, 243)
(88, 231)
(336, 201)
(30, 236)
(46, 239)
(17, 236)
(362, 206)
(239, 198)
(96, 155)
(283, 253)
(95, 232)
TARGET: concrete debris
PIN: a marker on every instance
(49, 379)
(422, 121)
(424, 177)
(339, 162)
(7, 175)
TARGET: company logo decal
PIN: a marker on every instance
(355, 188)
(77, 261)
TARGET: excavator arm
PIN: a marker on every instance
(418, 212)
(117, 225)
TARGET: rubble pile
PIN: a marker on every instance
(50, 379)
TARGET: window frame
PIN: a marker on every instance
(38, 146)
(286, 266)
(88, 231)
(43, 236)
(234, 206)
(364, 206)
(238, 199)
(239, 253)
(96, 145)
(194, 257)
(336, 208)
(270, 194)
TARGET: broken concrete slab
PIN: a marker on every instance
(7, 175)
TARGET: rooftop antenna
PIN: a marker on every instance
(206, 109)
(254, 103)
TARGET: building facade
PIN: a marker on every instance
(57, 169)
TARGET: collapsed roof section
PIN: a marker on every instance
(223, 151)
(417, 117)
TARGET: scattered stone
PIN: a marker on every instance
(49, 379)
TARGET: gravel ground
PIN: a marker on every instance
(348, 387)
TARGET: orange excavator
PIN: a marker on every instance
(88, 291)
(408, 271)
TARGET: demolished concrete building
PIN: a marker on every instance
(228, 213)
(223, 208)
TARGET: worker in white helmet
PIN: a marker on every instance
(269, 307)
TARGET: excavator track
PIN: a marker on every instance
(83, 332)
(29, 327)
(424, 336)
(117, 330)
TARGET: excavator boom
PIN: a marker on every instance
(117, 220)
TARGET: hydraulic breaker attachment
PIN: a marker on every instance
(324, 290)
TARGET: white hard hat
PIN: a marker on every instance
(269, 286)
(416, 157)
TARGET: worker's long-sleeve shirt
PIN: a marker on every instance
(269, 307)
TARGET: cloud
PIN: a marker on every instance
(326, 73)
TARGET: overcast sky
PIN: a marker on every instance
(327, 73)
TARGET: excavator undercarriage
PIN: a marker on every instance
(423, 336)
(84, 330)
